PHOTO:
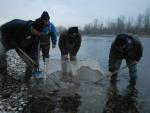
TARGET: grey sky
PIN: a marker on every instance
(69, 12)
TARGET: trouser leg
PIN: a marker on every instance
(73, 57)
(73, 54)
(45, 51)
(33, 54)
(3, 68)
(132, 73)
(116, 65)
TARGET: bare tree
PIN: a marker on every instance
(147, 21)
(140, 25)
(120, 24)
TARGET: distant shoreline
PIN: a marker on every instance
(143, 36)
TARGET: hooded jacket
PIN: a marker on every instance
(133, 50)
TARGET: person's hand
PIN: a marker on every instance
(53, 46)
(109, 74)
(65, 57)
(134, 62)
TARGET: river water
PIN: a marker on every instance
(78, 93)
(120, 99)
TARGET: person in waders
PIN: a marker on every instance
(69, 43)
(50, 32)
(128, 47)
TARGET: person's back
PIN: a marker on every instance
(16, 30)
(16, 34)
(132, 50)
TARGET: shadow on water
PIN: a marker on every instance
(125, 102)
(51, 104)
(70, 104)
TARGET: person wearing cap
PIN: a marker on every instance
(18, 34)
(69, 43)
(50, 31)
(128, 47)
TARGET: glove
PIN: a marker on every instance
(65, 57)
(53, 46)
(109, 74)
(134, 62)
(38, 74)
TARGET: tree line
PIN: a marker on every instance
(139, 25)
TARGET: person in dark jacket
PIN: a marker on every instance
(127, 47)
(18, 34)
(69, 43)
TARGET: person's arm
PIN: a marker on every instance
(53, 35)
(62, 43)
(111, 58)
(139, 48)
(77, 45)
(111, 61)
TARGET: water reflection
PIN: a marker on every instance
(41, 105)
(70, 104)
(54, 104)
(121, 103)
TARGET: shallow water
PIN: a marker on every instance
(98, 48)
(78, 94)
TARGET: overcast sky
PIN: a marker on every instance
(71, 12)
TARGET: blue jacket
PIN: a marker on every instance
(50, 29)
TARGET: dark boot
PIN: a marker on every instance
(132, 82)
(3, 69)
(113, 80)
(3, 64)
(28, 73)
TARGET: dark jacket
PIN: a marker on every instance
(18, 31)
(68, 44)
(132, 51)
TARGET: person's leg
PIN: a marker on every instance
(3, 70)
(3, 60)
(3, 66)
(116, 64)
(45, 51)
(32, 52)
(132, 73)
(64, 53)
(2, 47)
(73, 57)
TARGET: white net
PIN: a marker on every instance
(71, 73)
